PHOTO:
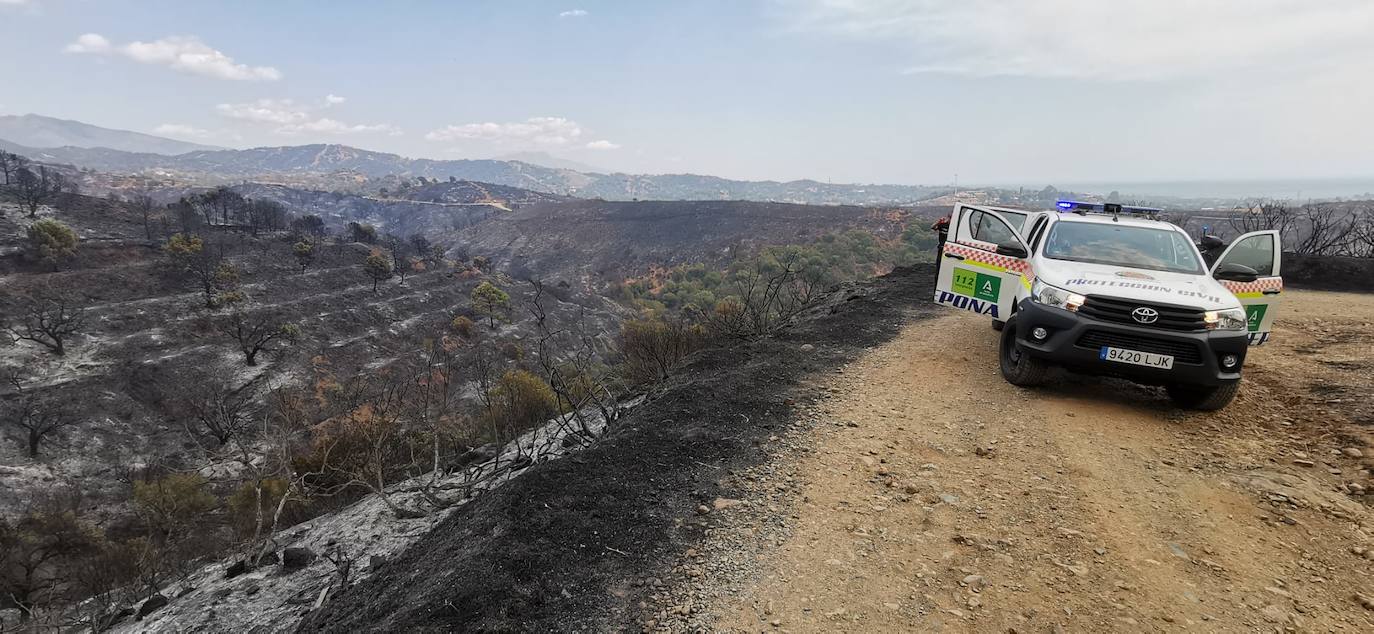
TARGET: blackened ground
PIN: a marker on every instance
(559, 548)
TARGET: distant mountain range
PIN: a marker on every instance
(305, 162)
(33, 130)
(544, 159)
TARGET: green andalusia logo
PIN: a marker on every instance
(1254, 315)
(977, 285)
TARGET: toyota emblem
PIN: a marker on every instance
(1145, 315)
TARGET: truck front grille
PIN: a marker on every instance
(1118, 310)
(1181, 351)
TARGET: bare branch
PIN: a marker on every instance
(255, 334)
(49, 318)
(34, 421)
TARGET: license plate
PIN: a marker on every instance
(1135, 357)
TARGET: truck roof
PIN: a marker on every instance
(1122, 219)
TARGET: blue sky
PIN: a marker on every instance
(848, 90)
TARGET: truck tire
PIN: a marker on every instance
(1018, 368)
(1207, 399)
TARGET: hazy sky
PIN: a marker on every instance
(850, 90)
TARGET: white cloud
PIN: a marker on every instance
(574, 13)
(14, 3)
(184, 53)
(536, 131)
(603, 145)
(280, 111)
(1121, 39)
(89, 43)
(183, 130)
(333, 100)
(290, 118)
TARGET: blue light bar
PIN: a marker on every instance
(1108, 208)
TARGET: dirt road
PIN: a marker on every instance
(932, 495)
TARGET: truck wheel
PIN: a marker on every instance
(1019, 368)
(1207, 399)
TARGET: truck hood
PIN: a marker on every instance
(1160, 287)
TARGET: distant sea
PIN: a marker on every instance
(1295, 189)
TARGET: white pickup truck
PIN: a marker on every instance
(1099, 289)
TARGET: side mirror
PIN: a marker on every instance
(1233, 272)
(1210, 243)
(1012, 249)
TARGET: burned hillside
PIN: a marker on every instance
(597, 243)
(173, 359)
(144, 351)
(579, 543)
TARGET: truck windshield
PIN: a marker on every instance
(1122, 245)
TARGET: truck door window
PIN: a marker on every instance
(988, 229)
(1016, 219)
(1256, 252)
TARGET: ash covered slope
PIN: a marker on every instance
(429, 210)
(127, 374)
(566, 546)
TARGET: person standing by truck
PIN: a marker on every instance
(941, 227)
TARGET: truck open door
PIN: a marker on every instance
(981, 264)
(1260, 252)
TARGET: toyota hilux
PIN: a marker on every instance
(1110, 290)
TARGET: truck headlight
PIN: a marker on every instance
(1229, 319)
(1042, 293)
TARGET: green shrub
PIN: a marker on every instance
(244, 505)
(652, 348)
(173, 502)
(464, 327)
(52, 241)
(377, 267)
(519, 401)
(490, 302)
(304, 253)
